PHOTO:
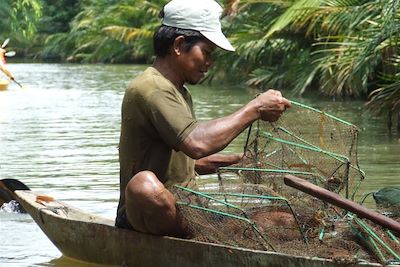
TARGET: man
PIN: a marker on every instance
(3, 67)
(161, 141)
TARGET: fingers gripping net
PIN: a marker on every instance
(250, 206)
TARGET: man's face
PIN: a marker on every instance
(196, 62)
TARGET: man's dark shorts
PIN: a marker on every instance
(122, 222)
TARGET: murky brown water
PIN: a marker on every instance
(59, 136)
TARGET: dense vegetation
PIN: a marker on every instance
(340, 48)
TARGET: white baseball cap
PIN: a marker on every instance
(198, 15)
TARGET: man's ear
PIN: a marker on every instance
(178, 45)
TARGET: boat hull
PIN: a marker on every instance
(91, 238)
(3, 84)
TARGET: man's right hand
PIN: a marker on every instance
(271, 104)
(210, 137)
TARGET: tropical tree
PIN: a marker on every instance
(19, 18)
(335, 46)
(387, 96)
(108, 31)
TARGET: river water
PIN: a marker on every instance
(59, 135)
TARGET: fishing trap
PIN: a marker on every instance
(249, 205)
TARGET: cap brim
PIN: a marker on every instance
(219, 39)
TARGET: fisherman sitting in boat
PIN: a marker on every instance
(3, 67)
(161, 142)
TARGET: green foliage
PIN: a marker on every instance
(335, 47)
(338, 47)
(57, 15)
(19, 18)
(387, 96)
(108, 31)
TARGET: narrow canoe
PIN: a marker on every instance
(3, 84)
(92, 238)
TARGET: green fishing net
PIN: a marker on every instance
(248, 205)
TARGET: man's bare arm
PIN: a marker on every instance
(210, 164)
(213, 136)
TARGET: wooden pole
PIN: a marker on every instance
(341, 202)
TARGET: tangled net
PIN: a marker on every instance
(251, 207)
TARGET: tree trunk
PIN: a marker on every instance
(389, 122)
(398, 124)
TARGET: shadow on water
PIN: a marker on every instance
(68, 262)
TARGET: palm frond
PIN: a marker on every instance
(295, 12)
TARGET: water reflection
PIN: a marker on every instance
(60, 134)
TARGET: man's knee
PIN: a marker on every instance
(148, 202)
(139, 180)
(145, 189)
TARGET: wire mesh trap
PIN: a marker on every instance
(249, 205)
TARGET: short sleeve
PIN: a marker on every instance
(171, 115)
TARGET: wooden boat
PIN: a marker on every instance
(3, 84)
(92, 238)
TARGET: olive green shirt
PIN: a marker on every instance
(156, 118)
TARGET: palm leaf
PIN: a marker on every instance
(294, 13)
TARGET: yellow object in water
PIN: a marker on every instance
(3, 84)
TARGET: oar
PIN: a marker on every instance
(5, 43)
(17, 82)
(10, 53)
(341, 202)
(7, 188)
